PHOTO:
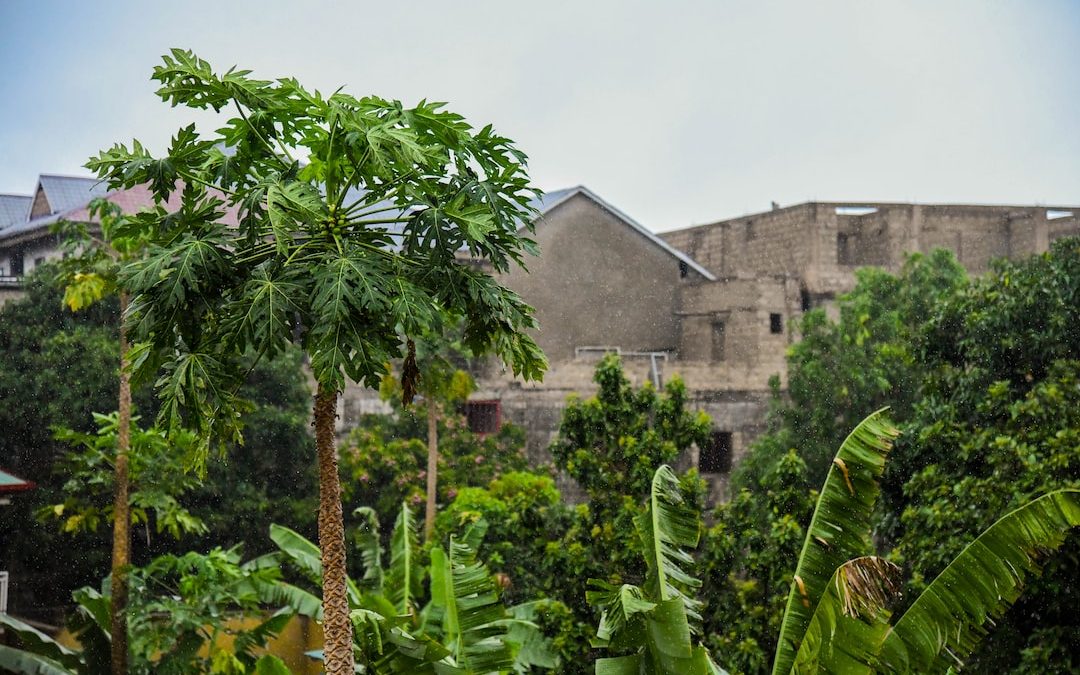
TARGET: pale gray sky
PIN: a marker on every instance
(676, 112)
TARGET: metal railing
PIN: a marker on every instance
(654, 359)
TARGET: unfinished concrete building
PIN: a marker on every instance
(717, 304)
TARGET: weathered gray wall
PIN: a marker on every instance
(597, 282)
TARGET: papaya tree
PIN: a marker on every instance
(333, 221)
(90, 272)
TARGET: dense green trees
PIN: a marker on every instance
(987, 372)
(59, 368)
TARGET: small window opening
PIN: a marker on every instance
(804, 300)
(684, 269)
(715, 457)
(16, 264)
(483, 417)
(38, 262)
(1054, 214)
(855, 210)
(718, 340)
(776, 323)
(843, 249)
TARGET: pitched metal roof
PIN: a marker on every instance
(14, 208)
(549, 200)
(68, 192)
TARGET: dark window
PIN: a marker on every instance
(684, 269)
(776, 323)
(715, 457)
(38, 262)
(843, 250)
(718, 340)
(806, 302)
(483, 417)
(17, 264)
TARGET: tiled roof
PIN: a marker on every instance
(68, 192)
(14, 208)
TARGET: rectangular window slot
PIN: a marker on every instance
(855, 210)
(776, 323)
(1054, 214)
(719, 340)
(483, 417)
(715, 457)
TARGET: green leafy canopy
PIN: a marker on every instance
(348, 251)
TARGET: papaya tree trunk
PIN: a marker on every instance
(432, 467)
(337, 628)
(121, 545)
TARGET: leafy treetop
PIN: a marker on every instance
(334, 220)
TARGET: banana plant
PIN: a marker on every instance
(838, 618)
(656, 623)
(463, 629)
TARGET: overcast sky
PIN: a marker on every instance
(676, 112)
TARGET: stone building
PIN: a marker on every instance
(716, 304)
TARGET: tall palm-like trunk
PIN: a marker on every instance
(432, 466)
(337, 629)
(121, 550)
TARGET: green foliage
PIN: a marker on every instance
(748, 558)
(612, 444)
(621, 436)
(270, 478)
(653, 623)
(356, 245)
(182, 609)
(464, 627)
(997, 424)
(58, 368)
(525, 514)
(384, 458)
(156, 477)
(93, 255)
(989, 413)
(947, 620)
(837, 616)
(184, 616)
(839, 529)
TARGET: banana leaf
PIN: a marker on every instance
(839, 529)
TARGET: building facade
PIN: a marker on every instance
(716, 304)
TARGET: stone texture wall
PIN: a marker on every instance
(598, 282)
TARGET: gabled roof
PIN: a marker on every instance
(549, 200)
(68, 192)
(14, 208)
(10, 483)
